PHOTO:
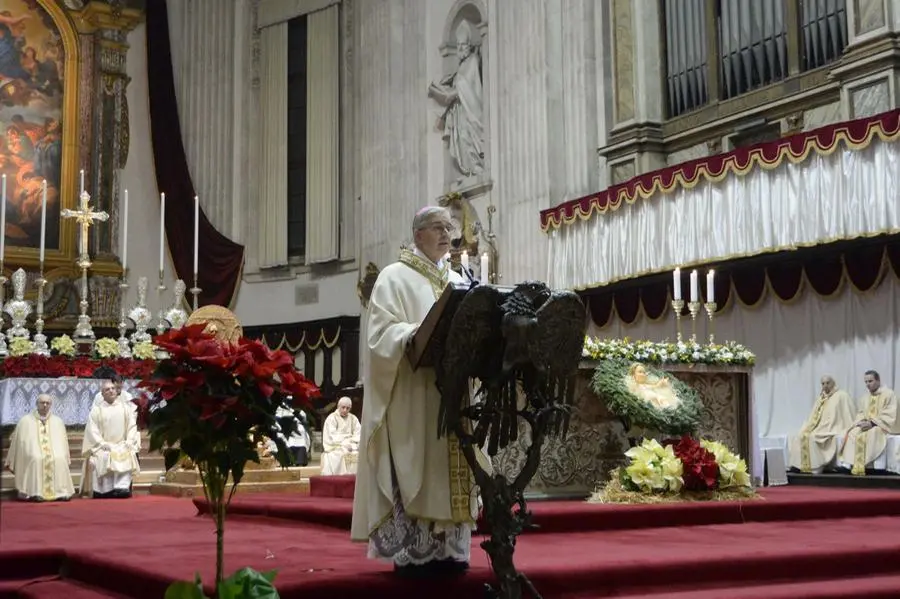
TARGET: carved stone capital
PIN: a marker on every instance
(114, 15)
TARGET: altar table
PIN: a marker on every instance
(596, 441)
(73, 397)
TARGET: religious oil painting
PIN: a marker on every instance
(31, 109)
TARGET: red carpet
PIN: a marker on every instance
(778, 504)
(332, 486)
(135, 547)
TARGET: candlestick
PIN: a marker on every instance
(695, 287)
(195, 291)
(4, 350)
(162, 236)
(676, 284)
(40, 340)
(3, 223)
(43, 220)
(485, 266)
(694, 309)
(464, 259)
(81, 191)
(124, 346)
(161, 325)
(125, 236)
(196, 233)
(711, 312)
(711, 286)
(677, 307)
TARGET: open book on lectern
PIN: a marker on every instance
(432, 332)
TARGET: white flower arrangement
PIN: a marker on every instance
(652, 352)
(106, 348)
(732, 468)
(143, 350)
(654, 468)
(19, 346)
(63, 345)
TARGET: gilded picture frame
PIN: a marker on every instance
(60, 253)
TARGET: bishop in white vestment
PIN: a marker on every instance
(414, 502)
(816, 446)
(39, 455)
(877, 418)
(111, 444)
(340, 440)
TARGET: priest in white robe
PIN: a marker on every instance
(414, 502)
(111, 444)
(39, 457)
(866, 440)
(340, 440)
(816, 446)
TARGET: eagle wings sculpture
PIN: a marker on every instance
(522, 345)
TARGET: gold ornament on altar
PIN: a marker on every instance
(220, 322)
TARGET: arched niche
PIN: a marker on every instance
(472, 11)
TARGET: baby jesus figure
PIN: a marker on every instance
(657, 391)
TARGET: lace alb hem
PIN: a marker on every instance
(405, 541)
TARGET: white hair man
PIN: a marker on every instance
(815, 448)
(340, 440)
(39, 455)
(413, 502)
(111, 444)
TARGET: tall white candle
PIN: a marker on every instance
(676, 284)
(125, 234)
(710, 287)
(162, 232)
(3, 223)
(695, 287)
(43, 219)
(196, 233)
(464, 259)
(82, 182)
(485, 268)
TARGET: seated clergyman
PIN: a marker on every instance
(340, 440)
(867, 437)
(111, 443)
(816, 446)
(39, 455)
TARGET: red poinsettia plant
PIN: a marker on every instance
(213, 402)
(700, 468)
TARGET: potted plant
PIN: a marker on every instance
(212, 401)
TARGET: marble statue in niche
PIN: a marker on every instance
(462, 95)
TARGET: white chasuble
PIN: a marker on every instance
(817, 444)
(340, 441)
(39, 458)
(415, 499)
(111, 444)
(863, 447)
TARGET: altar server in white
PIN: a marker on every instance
(340, 440)
(39, 455)
(298, 443)
(877, 418)
(111, 443)
(414, 502)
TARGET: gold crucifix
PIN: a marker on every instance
(85, 217)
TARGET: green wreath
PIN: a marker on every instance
(608, 383)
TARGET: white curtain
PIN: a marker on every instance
(798, 342)
(273, 206)
(322, 136)
(844, 195)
